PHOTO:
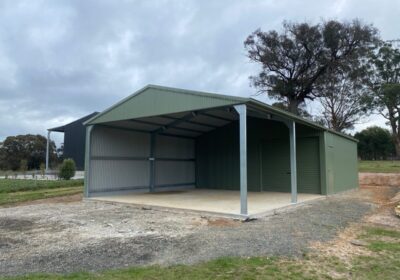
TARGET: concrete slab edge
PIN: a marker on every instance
(272, 212)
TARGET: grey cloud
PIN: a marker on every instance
(60, 60)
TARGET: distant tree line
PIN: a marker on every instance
(344, 67)
(25, 152)
(375, 143)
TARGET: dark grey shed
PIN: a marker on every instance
(74, 140)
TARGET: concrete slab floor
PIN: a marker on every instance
(211, 201)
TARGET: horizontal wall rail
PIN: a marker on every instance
(139, 158)
(117, 158)
(175, 159)
(144, 188)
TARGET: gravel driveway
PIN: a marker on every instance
(90, 235)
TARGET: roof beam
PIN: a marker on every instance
(216, 117)
(162, 125)
(146, 131)
(145, 122)
(192, 122)
(176, 122)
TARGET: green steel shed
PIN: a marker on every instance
(162, 138)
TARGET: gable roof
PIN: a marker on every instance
(154, 100)
(80, 120)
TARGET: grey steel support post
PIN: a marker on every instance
(293, 165)
(152, 161)
(88, 153)
(241, 109)
(47, 150)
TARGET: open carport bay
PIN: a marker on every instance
(164, 139)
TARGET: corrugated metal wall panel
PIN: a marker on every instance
(268, 158)
(342, 164)
(120, 160)
(217, 158)
(110, 168)
(175, 172)
(74, 141)
(308, 165)
(113, 175)
(117, 142)
(275, 165)
(173, 147)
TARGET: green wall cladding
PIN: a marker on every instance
(275, 155)
(217, 154)
(217, 158)
(341, 163)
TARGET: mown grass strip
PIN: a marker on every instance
(379, 166)
(18, 185)
(371, 232)
(225, 268)
(17, 197)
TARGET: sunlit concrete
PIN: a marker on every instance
(211, 201)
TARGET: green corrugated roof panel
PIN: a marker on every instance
(156, 100)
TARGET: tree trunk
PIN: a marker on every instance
(395, 131)
(293, 106)
(397, 145)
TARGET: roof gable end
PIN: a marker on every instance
(156, 100)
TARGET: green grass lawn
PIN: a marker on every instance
(18, 190)
(379, 166)
(382, 261)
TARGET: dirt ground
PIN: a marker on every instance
(379, 179)
(66, 235)
(385, 198)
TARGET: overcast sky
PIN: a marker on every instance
(60, 60)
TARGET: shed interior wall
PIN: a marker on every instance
(120, 160)
(217, 160)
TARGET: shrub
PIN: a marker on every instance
(23, 166)
(42, 169)
(67, 169)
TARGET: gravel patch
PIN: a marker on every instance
(92, 236)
